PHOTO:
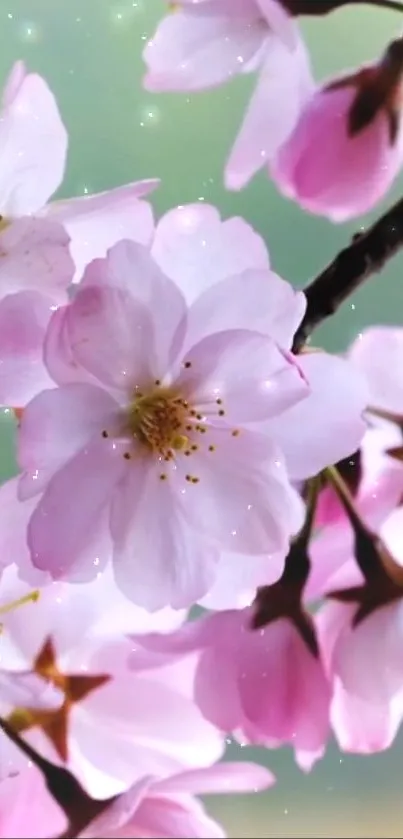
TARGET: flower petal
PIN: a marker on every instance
(243, 374)
(258, 300)
(70, 510)
(328, 425)
(57, 352)
(96, 222)
(158, 558)
(23, 321)
(237, 578)
(196, 249)
(243, 497)
(130, 268)
(33, 144)
(35, 255)
(111, 336)
(221, 778)
(378, 354)
(202, 45)
(285, 83)
(55, 426)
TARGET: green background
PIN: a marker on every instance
(90, 53)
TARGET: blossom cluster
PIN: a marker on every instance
(178, 447)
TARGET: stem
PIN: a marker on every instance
(367, 544)
(367, 255)
(323, 7)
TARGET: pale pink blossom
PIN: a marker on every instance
(116, 725)
(167, 809)
(328, 167)
(36, 267)
(201, 45)
(364, 664)
(160, 809)
(265, 686)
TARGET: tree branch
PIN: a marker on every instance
(366, 255)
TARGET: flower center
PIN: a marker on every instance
(158, 421)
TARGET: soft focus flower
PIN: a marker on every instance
(158, 809)
(347, 147)
(265, 686)
(167, 809)
(36, 268)
(204, 44)
(115, 725)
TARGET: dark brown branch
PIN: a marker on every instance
(323, 7)
(367, 255)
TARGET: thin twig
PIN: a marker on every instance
(367, 255)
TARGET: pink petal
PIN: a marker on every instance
(237, 578)
(364, 727)
(269, 384)
(33, 144)
(257, 300)
(367, 659)
(35, 256)
(279, 21)
(27, 810)
(285, 693)
(174, 818)
(391, 532)
(13, 83)
(13, 527)
(96, 222)
(70, 510)
(27, 690)
(23, 321)
(326, 426)
(243, 498)
(220, 778)
(198, 47)
(378, 354)
(110, 335)
(285, 83)
(147, 521)
(55, 426)
(326, 170)
(196, 249)
(130, 268)
(58, 354)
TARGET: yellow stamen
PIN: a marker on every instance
(32, 597)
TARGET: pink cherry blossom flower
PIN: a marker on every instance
(164, 809)
(265, 686)
(115, 725)
(205, 44)
(347, 146)
(38, 268)
(194, 358)
(365, 667)
(162, 435)
(167, 809)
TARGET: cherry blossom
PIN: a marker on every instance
(265, 686)
(109, 730)
(37, 268)
(205, 44)
(347, 146)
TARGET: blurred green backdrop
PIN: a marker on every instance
(90, 53)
